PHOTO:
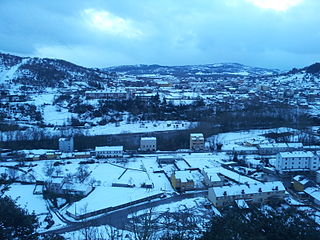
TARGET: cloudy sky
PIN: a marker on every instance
(98, 33)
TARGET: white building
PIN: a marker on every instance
(211, 177)
(274, 148)
(109, 151)
(196, 141)
(148, 144)
(66, 144)
(256, 193)
(296, 161)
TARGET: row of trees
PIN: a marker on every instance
(233, 223)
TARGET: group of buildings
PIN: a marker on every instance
(290, 158)
(147, 144)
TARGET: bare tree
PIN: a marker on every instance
(82, 173)
(48, 169)
(144, 226)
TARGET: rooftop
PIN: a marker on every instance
(296, 154)
(149, 138)
(248, 188)
(109, 148)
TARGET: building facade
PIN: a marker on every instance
(255, 193)
(182, 181)
(109, 151)
(66, 144)
(212, 178)
(196, 141)
(148, 144)
(296, 161)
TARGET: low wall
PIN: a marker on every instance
(110, 209)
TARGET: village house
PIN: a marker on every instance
(196, 141)
(109, 151)
(148, 144)
(212, 178)
(81, 155)
(182, 180)
(300, 183)
(58, 186)
(51, 155)
(255, 193)
(296, 161)
(314, 194)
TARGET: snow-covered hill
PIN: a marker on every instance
(44, 72)
(207, 69)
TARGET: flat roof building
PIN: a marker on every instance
(196, 141)
(148, 144)
(109, 151)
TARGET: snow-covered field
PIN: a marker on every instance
(111, 128)
(24, 196)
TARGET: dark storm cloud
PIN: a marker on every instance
(101, 33)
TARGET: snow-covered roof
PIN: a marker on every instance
(64, 139)
(313, 192)
(241, 203)
(109, 148)
(107, 91)
(295, 145)
(301, 179)
(296, 154)
(148, 139)
(189, 175)
(195, 136)
(184, 176)
(212, 174)
(273, 145)
(234, 190)
(235, 147)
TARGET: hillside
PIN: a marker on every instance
(188, 70)
(45, 72)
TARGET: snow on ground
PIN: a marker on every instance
(254, 135)
(185, 204)
(7, 74)
(140, 127)
(24, 196)
(52, 116)
(104, 197)
(43, 99)
(204, 160)
(236, 177)
(101, 232)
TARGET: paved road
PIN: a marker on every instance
(119, 218)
